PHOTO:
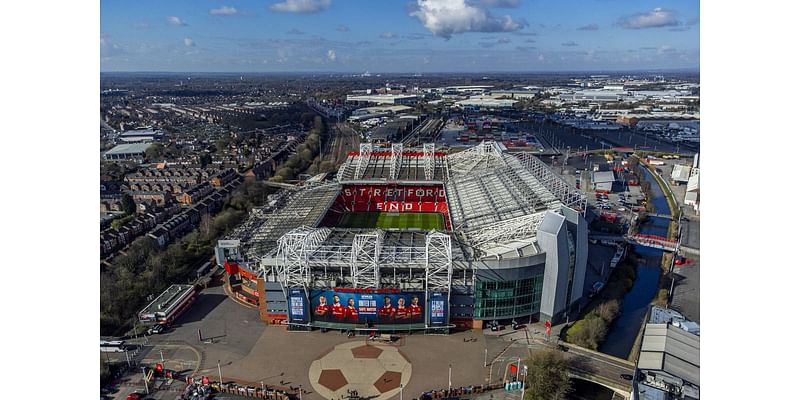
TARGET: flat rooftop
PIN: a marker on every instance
(129, 148)
(672, 350)
(167, 300)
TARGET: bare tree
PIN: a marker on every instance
(547, 377)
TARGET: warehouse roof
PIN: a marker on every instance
(672, 350)
(129, 148)
(602, 176)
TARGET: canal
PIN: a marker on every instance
(623, 331)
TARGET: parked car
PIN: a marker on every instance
(156, 329)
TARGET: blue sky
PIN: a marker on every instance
(398, 35)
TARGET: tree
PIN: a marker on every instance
(154, 152)
(128, 205)
(608, 310)
(205, 159)
(206, 226)
(547, 376)
(326, 166)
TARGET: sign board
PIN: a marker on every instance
(355, 307)
(297, 306)
(438, 309)
(228, 244)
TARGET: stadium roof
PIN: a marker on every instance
(496, 201)
(260, 232)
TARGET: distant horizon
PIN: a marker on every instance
(373, 73)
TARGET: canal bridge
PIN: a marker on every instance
(592, 366)
(654, 241)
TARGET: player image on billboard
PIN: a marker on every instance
(387, 312)
(351, 313)
(367, 308)
(403, 314)
(415, 310)
(322, 311)
(337, 310)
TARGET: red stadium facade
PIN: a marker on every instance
(398, 198)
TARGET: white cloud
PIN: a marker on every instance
(176, 21)
(657, 18)
(447, 17)
(590, 27)
(295, 31)
(343, 28)
(541, 57)
(664, 49)
(224, 10)
(188, 42)
(331, 55)
(301, 6)
(500, 3)
(571, 43)
(388, 35)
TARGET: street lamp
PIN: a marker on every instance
(219, 369)
(144, 375)
(449, 376)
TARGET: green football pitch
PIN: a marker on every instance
(384, 220)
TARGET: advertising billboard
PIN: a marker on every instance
(438, 309)
(379, 307)
(297, 306)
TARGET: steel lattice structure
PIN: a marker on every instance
(365, 253)
(568, 194)
(397, 160)
(496, 202)
(506, 235)
(429, 152)
(364, 153)
(438, 262)
(294, 249)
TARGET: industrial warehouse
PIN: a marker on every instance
(510, 243)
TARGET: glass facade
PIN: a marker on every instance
(508, 299)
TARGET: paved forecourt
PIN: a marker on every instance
(374, 371)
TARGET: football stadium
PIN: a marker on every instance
(415, 240)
